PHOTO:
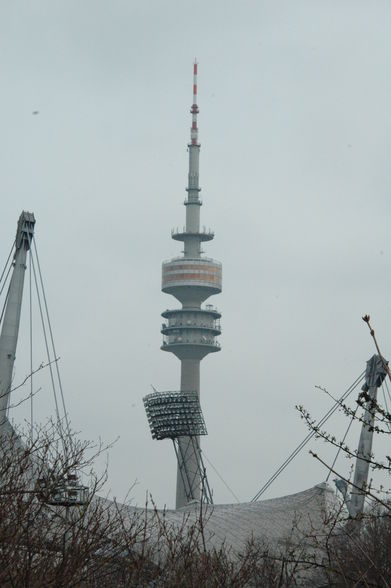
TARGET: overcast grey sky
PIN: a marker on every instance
(295, 128)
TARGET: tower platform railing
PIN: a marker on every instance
(195, 259)
(169, 340)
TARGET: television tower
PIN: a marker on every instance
(190, 332)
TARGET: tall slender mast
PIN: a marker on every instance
(194, 109)
(192, 243)
(11, 318)
(190, 332)
(374, 376)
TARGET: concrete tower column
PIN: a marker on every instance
(187, 458)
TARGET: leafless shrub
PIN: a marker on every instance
(102, 543)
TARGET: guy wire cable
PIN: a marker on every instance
(308, 437)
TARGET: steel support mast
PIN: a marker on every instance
(176, 416)
(11, 318)
(190, 332)
(374, 376)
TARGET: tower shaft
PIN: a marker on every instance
(188, 462)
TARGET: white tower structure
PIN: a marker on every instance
(190, 332)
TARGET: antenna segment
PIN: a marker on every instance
(194, 109)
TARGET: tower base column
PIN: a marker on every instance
(188, 469)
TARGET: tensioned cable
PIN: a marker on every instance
(308, 437)
(52, 341)
(5, 303)
(1, 291)
(31, 354)
(388, 390)
(384, 397)
(206, 490)
(388, 424)
(6, 264)
(385, 385)
(5, 280)
(47, 351)
(221, 478)
(341, 444)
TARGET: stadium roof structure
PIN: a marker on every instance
(295, 519)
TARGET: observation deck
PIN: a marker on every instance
(191, 319)
(191, 280)
(190, 346)
(207, 309)
(191, 332)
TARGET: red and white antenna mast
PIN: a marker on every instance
(194, 109)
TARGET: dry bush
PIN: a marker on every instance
(104, 544)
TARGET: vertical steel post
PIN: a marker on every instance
(374, 376)
(11, 318)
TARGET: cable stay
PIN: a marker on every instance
(221, 478)
(310, 435)
(52, 357)
(4, 279)
(52, 342)
(31, 354)
(69, 492)
(7, 265)
(386, 392)
(342, 443)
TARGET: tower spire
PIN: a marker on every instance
(193, 188)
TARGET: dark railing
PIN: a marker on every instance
(170, 340)
(214, 327)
